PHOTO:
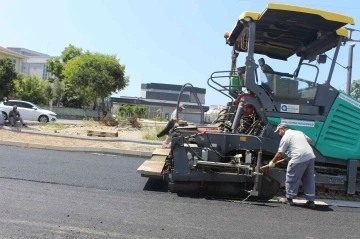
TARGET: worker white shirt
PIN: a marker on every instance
(173, 115)
(295, 142)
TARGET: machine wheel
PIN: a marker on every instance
(268, 189)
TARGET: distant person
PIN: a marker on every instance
(14, 116)
(170, 125)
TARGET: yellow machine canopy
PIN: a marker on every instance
(284, 30)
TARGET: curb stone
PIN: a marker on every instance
(150, 142)
(125, 152)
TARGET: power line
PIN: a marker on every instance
(336, 62)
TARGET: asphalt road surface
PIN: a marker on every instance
(51, 194)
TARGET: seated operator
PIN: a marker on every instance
(14, 115)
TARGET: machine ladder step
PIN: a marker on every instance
(161, 151)
(153, 167)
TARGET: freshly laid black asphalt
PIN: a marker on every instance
(52, 194)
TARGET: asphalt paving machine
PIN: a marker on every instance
(225, 157)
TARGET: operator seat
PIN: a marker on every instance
(267, 70)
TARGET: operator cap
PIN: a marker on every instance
(182, 106)
(281, 126)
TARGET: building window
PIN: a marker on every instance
(45, 75)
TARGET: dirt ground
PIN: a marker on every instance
(144, 133)
(127, 132)
(6, 135)
(80, 130)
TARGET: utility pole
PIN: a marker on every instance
(349, 68)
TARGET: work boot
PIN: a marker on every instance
(310, 204)
(287, 201)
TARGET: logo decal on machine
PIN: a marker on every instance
(298, 122)
(289, 108)
(350, 100)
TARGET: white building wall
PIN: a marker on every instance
(200, 96)
(36, 66)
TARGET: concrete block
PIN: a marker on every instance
(87, 149)
(78, 149)
(146, 154)
(56, 147)
(14, 143)
(110, 150)
(37, 146)
(129, 152)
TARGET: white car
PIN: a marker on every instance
(2, 121)
(28, 111)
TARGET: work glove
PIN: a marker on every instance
(271, 164)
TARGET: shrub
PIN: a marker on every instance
(134, 122)
(151, 132)
(132, 110)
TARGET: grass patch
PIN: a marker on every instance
(90, 123)
(151, 132)
(158, 119)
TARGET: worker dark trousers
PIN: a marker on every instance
(301, 172)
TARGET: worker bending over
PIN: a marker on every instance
(170, 125)
(301, 165)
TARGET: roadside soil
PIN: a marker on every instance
(81, 130)
(126, 132)
(12, 136)
(144, 133)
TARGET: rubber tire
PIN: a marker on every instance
(4, 115)
(41, 116)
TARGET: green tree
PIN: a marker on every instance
(70, 52)
(123, 110)
(30, 88)
(140, 110)
(70, 97)
(7, 78)
(354, 89)
(97, 75)
(56, 65)
(58, 91)
(48, 92)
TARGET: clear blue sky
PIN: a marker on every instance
(166, 41)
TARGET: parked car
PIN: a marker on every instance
(2, 121)
(28, 111)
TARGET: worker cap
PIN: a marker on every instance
(182, 106)
(14, 106)
(281, 126)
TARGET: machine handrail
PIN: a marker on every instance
(196, 98)
(299, 68)
(224, 87)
